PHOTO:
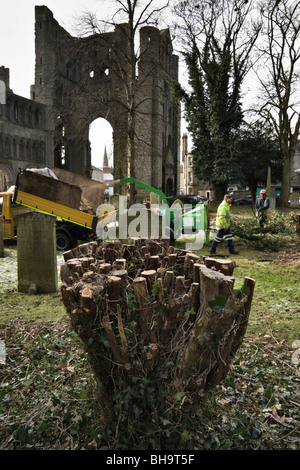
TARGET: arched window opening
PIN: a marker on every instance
(16, 111)
(100, 136)
(37, 117)
(101, 142)
(30, 116)
(68, 69)
(169, 187)
(63, 155)
(60, 148)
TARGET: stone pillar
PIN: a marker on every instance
(36, 242)
(155, 199)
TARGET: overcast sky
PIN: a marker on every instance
(17, 50)
(17, 34)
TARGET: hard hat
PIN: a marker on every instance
(228, 198)
(263, 191)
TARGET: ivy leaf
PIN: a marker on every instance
(218, 303)
(179, 395)
(185, 435)
(190, 312)
(160, 308)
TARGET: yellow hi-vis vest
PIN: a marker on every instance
(223, 216)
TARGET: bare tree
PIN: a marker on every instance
(280, 83)
(130, 16)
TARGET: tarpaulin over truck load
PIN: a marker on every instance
(62, 187)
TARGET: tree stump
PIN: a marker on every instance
(145, 304)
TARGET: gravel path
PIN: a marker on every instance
(9, 268)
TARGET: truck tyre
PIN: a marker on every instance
(64, 240)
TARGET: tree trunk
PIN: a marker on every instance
(286, 181)
(220, 191)
(140, 306)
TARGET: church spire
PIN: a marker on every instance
(105, 158)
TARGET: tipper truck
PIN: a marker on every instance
(75, 201)
(72, 198)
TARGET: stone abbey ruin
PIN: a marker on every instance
(78, 80)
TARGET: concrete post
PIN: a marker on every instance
(36, 242)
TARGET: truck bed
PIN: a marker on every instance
(48, 188)
(59, 210)
(71, 197)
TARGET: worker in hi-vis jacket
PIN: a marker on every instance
(223, 226)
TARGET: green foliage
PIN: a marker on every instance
(189, 312)
(278, 230)
(218, 48)
(213, 117)
(258, 149)
(148, 419)
(218, 303)
(280, 223)
(45, 387)
(49, 399)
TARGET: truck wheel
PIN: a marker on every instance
(64, 241)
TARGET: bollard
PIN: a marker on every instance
(36, 242)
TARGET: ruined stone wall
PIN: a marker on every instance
(159, 117)
(24, 138)
(80, 79)
(86, 78)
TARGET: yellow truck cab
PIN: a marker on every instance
(7, 218)
(8, 212)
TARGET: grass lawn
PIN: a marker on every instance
(47, 398)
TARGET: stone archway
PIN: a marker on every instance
(7, 177)
(82, 81)
(101, 142)
(169, 188)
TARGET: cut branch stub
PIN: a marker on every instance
(225, 266)
(113, 289)
(145, 311)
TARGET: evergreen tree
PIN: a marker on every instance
(217, 62)
(258, 149)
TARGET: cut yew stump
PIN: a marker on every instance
(145, 304)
